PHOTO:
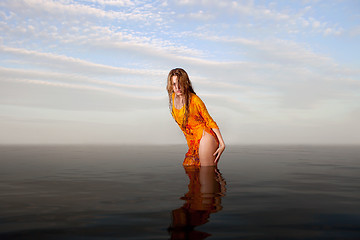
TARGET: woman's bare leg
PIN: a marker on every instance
(207, 148)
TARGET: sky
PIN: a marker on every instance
(95, 71)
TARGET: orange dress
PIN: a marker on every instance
(199, 121)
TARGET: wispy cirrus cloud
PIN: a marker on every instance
(119, 3)
(270, 15)
(57, 79)
(274, 50)
(53, 10)
(72, 64)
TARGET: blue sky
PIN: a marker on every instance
(95, 71)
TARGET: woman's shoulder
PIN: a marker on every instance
(195, 98)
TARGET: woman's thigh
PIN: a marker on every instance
(207, 147)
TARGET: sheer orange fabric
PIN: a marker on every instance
(199, 121)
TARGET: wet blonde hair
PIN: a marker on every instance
(187, 89)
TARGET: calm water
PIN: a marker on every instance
(143, 192)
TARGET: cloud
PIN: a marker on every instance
(61, 10)
(274, 16)
(72, 64)
(274, 50)
(58, 79)
(119, 3)
(199, 15)
(70, 96)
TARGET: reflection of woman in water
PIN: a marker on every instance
(202, 133)
(206, 187)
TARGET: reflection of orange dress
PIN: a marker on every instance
(206, 188)
(199, 121)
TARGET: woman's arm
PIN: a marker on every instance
(211, 124)
(221, 148)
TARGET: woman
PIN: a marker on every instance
(201, 132)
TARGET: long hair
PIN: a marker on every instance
(186, 87)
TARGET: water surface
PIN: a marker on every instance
(143, 192)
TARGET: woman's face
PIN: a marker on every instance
(176, 86)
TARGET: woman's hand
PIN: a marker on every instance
(221, 147)
(218, 153)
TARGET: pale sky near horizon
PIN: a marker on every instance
(94, 71)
